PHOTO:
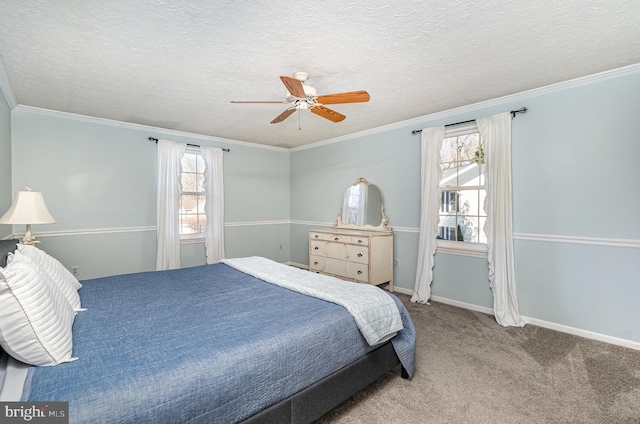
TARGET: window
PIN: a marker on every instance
(193, 199)
(462, 216)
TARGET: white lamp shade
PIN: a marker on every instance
(28, 208)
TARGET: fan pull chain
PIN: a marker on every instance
(299, 128)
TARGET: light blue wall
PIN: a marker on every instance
(99, 179)
(574, 177)
(575, 174)
(319, 176)
(575, 162)
(6, 195)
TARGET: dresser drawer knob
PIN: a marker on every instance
(359, 272)
(316, 236)
(315, 248)
(315, 263)
(337, 238)
(359, 255)
(359, 241)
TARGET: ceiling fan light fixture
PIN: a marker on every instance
(309, 91)
(302, 76)
(300, 96)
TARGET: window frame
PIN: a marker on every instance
(192, 237)
(453, 247)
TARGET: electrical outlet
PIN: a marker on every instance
(396, 263)
(74, 270)
(280, 247)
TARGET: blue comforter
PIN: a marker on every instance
(197, 345)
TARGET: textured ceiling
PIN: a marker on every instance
(177, 64)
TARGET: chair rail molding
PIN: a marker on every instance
(596, 241)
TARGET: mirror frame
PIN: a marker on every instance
(366, 227)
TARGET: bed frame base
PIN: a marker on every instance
(316, 400)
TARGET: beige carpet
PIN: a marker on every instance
(471, 370)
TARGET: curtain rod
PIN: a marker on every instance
(191, 145)
(513, 115)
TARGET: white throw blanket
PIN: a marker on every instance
(375, 313)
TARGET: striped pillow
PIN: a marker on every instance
(60, 275)
(36, 319)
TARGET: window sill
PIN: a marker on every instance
(191, 238)
(474, 250)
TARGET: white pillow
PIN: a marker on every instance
(36, 319)
(60, 275)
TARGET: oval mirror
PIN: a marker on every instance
(362, 207)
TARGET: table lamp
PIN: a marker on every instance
(28, 208)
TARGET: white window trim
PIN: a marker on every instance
(460, 248)
(192, 238)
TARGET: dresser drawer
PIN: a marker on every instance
(337, 250)
(358, 271)
(330, 237)
(335, 267)
(358, 254)
(339, 238)
(360, 241)
(351, 270)
(316, 263)
(317, 236)
(317, 247)
(329, 249)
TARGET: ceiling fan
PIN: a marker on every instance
(301, 96)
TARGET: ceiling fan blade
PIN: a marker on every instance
(284, 115)
(294, 86)
(327, 113)
(350, 97)
(259, 101)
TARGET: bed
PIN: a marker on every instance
(210, 344)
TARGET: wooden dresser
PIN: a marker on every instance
(355, 255)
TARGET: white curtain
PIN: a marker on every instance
(168, 203)
(431, 174)
(495, 132)
(214, 209)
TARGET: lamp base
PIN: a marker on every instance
(29, 238)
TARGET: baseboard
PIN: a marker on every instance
(464, 305)
(546, 324)
(534, 321)
(583, 333)
(402, 290)
(297, 265)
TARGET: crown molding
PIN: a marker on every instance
(5, 86)
(421, 121)
(156, 131)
